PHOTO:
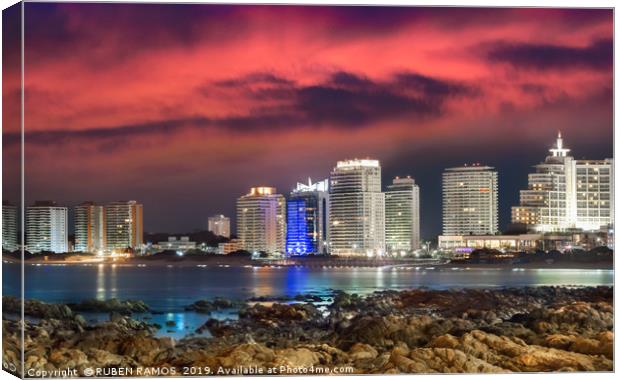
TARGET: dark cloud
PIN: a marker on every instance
(344, 100)
(254, 78)
(106, 33)
(349, 99)
(356, 21)
(347, 79)
(350, 108)
(432, 86)
(598, 55)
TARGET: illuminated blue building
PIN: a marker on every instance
(307, 219)
(299, 229)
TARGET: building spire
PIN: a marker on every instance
(559, 150)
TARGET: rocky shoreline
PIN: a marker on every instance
(414, 331)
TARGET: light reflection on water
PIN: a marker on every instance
(171, 288)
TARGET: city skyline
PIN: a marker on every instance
(175, 122)
(504, 221)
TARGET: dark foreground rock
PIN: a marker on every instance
(112, 305)
(416, 331)
(207, 307)
(37, 309)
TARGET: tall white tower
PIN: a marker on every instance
(402, 215)
(356, 209)
(46, 227)
(261, 221)
(470, 200)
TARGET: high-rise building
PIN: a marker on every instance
(9, 226)
(46, 227)
(307, 218)
(356, 209)
(123, 222)
(402, 215)
(261, 224)
(220, 225)
(564, 194)
(90, 228)
(594, 194)
(470, 200)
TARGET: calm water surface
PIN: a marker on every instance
(169, 289)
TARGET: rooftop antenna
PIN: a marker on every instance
(559, 150)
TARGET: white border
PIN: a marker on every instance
(479, 3)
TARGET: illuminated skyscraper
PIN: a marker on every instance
(594, 194)
(564, 193)
(470, 200)
(402, 215)
(356, 209)
(9, 227)
(261, 224)
(90, 228)
(123, 226)
(46, 227)
(220, 225)
(307, 218)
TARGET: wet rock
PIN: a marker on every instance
(112, 305)
(37, 309)
(414, 331)
(280, 312)
(207, 307)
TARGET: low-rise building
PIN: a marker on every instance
(181, 244)
(228, 247)
(524, 242)
(567, 241)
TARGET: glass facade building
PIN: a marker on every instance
(300, 227)
(307, 219)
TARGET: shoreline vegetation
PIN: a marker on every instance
(560, 261)
(534, 329)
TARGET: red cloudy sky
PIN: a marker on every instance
(184, 107)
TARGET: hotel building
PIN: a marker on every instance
(46, 227)
(356, 209)
(565, 194)
(470, 201)
(307, 218)
(402, 215)
(261, 224)
(9, 227)
(90, 228)
(220, 225)
(123, 226)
